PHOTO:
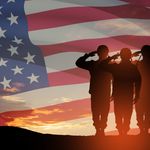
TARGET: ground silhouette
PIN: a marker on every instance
(18, 138)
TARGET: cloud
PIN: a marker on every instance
(74, 127)
(62, 99)
(16, 87)
(81, 126)
(47, 112)
(12, 99)
(11, 90)
(22, 121)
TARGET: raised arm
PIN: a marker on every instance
(105, 63)
(82, 63)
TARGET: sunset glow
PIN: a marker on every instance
(82, 126)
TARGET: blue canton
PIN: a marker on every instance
(22, 66)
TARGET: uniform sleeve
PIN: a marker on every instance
(82, 63)
(105, 64)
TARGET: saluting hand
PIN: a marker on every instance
(115, 56)
(136, 54)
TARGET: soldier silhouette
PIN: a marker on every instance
(143, 105)
(126, 88)
(100, 87)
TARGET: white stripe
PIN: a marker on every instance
(90, 30)
(61, 61)
(35, 6)
(44, 97)
(64, 61)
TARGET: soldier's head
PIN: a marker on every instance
(102, 51)
(146, 51)
(125, 54)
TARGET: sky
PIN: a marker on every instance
(65, 30)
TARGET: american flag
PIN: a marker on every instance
(40, 86)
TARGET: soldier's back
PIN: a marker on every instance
(124, 75)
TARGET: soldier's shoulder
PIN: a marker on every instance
(137, 63)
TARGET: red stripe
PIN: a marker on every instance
(67, 16)
(145, 3)
(71, 76)
(114, 43)
(56, 113)
(52, 114)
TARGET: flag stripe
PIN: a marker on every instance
(70, 76)
(68, 16)
(114, 43)
(145, 3)
(58, 62)
(91, 30)
(34, 6)
(44, 97)
(65, 61)
(54, 114)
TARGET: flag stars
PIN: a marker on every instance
(17, 70)
(3, 62)
(33, 78)
(13, 50)
(9, 1)
(17, 41)
(2, 33)
(21, 63)
(13, 19)
(29, 58)
(5, 83)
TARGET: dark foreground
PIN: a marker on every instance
(19, 139)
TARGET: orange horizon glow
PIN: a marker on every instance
(82, 126)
